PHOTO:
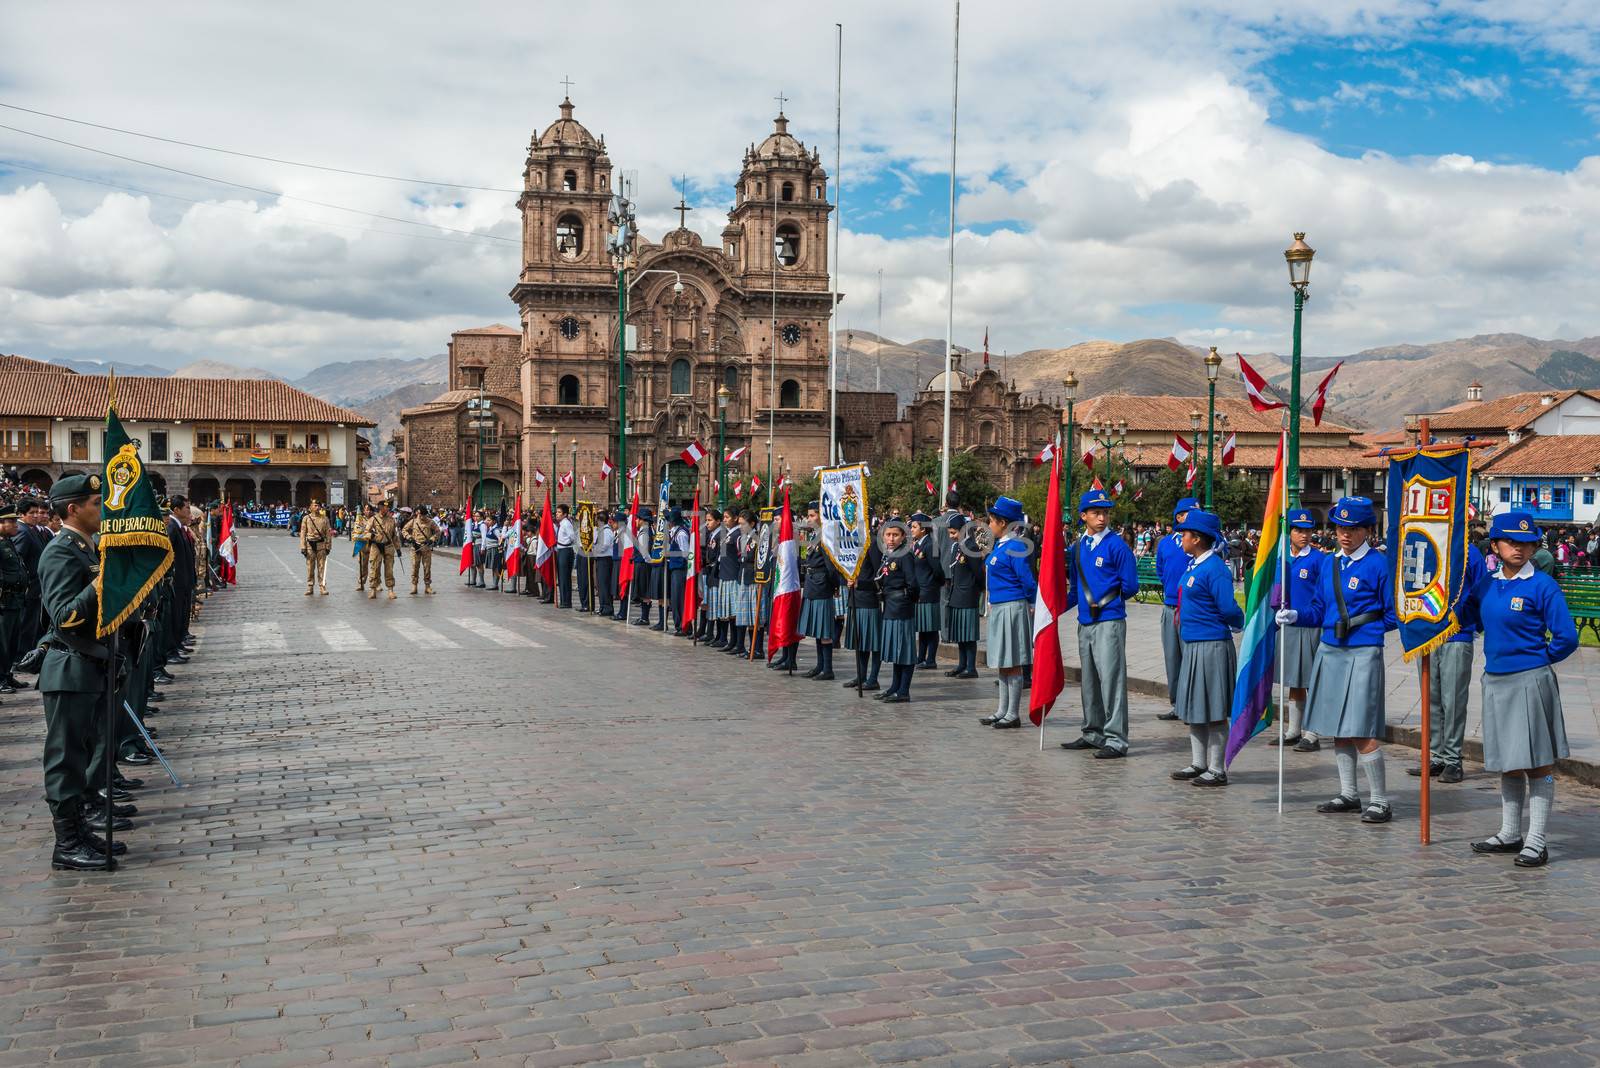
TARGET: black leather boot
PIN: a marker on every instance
(94, 819)
(72, 853)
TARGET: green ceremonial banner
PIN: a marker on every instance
(134, 549)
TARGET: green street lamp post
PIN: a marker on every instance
(723, 396)
(1213, 365)
(552, 458)
(1070, 460)
(479, 404)
(1298, 256)
(1102, 431)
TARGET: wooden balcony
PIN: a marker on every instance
(266, 457)
(25, 454)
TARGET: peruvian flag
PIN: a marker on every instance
(1116, 489)
(1046, 454)
(514, 550)
(716, 487)
(738, 488)
(952, 483)
(1088, 457)
(625, 571)
(1048, 674)
(228, 547)
(736, 453)
(1228, 449)
(1138, 494)
(605, 468)
(466, 548)
(1188, 479)
(1181, 451)
(693, 454)
(755, 485)
(633, 472)
(1321, 397)
(564, 481)
(1256, 387)
(691, 587)
(583, 483)
(545, 561)
(929, 483)
(1097, 484)
(786, 586)
(538, 477)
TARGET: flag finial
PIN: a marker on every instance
(111, 391)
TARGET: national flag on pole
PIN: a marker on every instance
(716, 487)
(952, 483)
(786, 586)
(736, 453)
(514, 549)
(1180, 452)
(929, 483)
(135, 551)
(625, 569)
(691, 572)
(1088, 457)
(1116, 489)
(755, 484)
(545, 562)
(538, 477)
(986, 346)
(470, 527)
(605, 468)
(1138, 494)
(738, 487)
(228, 547)
(1255, 387)
(1258, 649)
(1320, 399)
(1096, 484)
(783, 480)
(1188, 479)
(583, 483)
(633, 472)
(1228, 449)
(1049, 676)
(693, 453)
(1046, 454)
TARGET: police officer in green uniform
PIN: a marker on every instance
(73, 677)
(13, 592)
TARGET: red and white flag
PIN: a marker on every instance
(736, 453)
(716, 487)
(693, 454)
(625, 569)
(755, 485)
(1138, 494)
(929, 483)
(1181, 451)
(1088, 457)
(1255, 387)
(538, 477)
(1320, 399)
(1049, 676)
(1229, 447)
(783, 480)
(471, 526)
(738, 488)
(545, 561)
(785, 587)
(691, 572)
(564, 481)
(228, 547)
(514, 550)
(605, 468)
(583, 483)
(633, 472)
(952, 483)
(1046, 454)
(1188, 479)
(1096, 484)
(1116, 488)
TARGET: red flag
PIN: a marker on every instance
(538, 477)
(1049, 676)
(1046, 454)
(691, 573)
(1188, 479)
(545, 561)
(1096, 484)
(625, 571)
(986, 346)
(786, 586)
(1255, 387)
(471, 529)
(1088, 457)
(693, 453)
(755, 484)
(1321, 400)
(228, 547)
(1228, 449)
(929, 483)
(1180, 452)
(605, 468)
(736, 453)
(514, 552)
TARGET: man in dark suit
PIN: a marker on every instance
(181, 606)
(33, 534)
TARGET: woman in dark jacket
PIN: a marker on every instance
(897, 587)
(819, 581)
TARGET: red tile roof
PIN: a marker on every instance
(1171, 414)
(1564, 454)
(22, 363)
(29, 394)
(1262, 457)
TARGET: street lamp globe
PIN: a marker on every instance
(1299, 256)
(1194, 419)
(1213, 364)
(1122, 427)
(1071, 382)
(723, 396)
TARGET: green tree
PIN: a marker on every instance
(903, 484)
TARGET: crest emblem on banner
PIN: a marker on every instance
(586, 525)
(1427, 535)
(842, 504)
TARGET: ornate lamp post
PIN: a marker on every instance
(1213, 365)
(552, 457)
(1101, 431)
(574, 476)
(1298, 256)
(723, 396)
(1070, 461)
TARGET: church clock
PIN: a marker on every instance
(569, 328)
(791, 334)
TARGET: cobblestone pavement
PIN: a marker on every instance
(469, 828)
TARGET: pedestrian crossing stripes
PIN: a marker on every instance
(577, 634)
(499, 635)
(417, 634)
(343, 638)
(263, 637)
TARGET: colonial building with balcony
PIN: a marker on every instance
(257, 440)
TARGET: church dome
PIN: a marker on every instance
(780, 143)
(567, 131)
(959, 379)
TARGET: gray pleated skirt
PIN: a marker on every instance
(1205, 682)
(745, 605)
(816, 619)
(862, 632)
(1171, 650)
(1522, 723)
(961, 625)
(1010, 638)
(927, 616)
(841, 602)
(898, 641)
(1345, 698)
(1299, 655)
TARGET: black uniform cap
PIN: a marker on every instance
(75, 488)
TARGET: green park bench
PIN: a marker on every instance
(1150, 590)
(1581, 586)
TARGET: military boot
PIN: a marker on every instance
(428, 590)
(72, 853)
(309, 591)
(413, 589)
(372, 593)
(392, 594)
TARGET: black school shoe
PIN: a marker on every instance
(1494, 845)
(1434, 768)
(1377, 812)
(1532, 860)
(1110, 754)
(1211, 778)
(1341, 804)
(1193, 771)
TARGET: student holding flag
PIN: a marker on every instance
(1207, 615)
(1012, 588)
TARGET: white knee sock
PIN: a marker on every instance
(1372, 764)
(1513, 791)
(1016, 696)
(1197, 746)
(1541, 799)
(1002, 696)
(1297, 715)
(1215, 734)
(1344, 757)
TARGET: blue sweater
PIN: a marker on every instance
(1009, 576)
(1108, 568)
(1368, 587)
(1305, 572)
(1171, 563)
(1475, 572)
(1514, 615)
(1208, 612)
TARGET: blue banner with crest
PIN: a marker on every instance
(1427, 503)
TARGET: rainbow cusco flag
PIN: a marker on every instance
(1253, 709)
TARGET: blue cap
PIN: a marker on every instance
(1199, 521)
(1183, 505)
(921, 517)
(1301, 519)
(1514, 526)
(1095, 498)
(1352, 512)
(1006, 508)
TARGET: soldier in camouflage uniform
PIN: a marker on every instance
(316, 538)
(422, 532)
(382, 540)
(358, 533)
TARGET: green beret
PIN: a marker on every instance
(8, 511)
(75, 488)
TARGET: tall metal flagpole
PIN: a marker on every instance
(877, 375)
(772, 350)
(950, 300)
(838, 210)
(1283, 593)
